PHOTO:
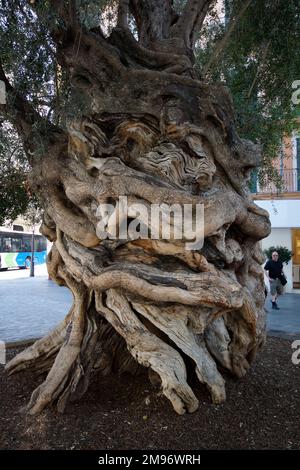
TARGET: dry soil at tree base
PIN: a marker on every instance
(262, 411)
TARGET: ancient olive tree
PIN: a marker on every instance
(147, 128)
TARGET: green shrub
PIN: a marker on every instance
(285, 254)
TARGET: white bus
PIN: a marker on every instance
(16, 249)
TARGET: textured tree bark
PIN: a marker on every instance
(152, 132)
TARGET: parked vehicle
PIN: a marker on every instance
(16, 249)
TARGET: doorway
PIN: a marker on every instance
(296, 257)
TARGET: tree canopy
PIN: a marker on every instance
(259, 63)
(14, 195)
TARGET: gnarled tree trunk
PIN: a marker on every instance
(152, 131)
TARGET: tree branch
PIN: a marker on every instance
(123, 10)
(198, 23)
(153, 19)
(222, 44)
(260, 66)
(23, 116)
(65, 11)
(191, 20)
(71, 38)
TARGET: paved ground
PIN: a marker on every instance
(286, 321)
(31, 307)
(39, 270)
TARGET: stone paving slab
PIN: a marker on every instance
(31, 307)
(286, 321)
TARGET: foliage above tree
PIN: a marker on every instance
(14, 194)
(259, 61)
(285, 255)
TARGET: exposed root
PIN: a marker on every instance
(217, 340)
(56, 379)
(175, 323)
(149, 350)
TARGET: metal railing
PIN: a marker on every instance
(290, 182)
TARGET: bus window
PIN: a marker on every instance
(44, 244)
(16, 244)
(6, 244)
(26, 244)
(40, 243)
(37, 244)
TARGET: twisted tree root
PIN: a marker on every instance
(149, 350)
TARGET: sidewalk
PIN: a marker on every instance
(30, 307)
(40, 270)
(286, 321)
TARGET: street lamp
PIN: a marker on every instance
(32, 254)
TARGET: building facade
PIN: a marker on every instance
(284, 208)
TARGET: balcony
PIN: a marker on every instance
(291, 185)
